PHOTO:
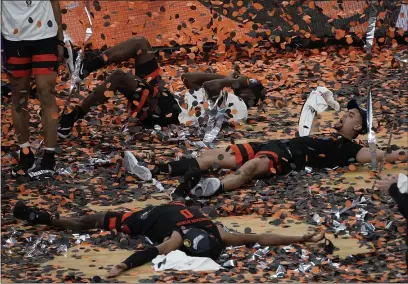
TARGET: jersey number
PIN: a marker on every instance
(186, 213)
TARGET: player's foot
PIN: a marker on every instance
(131, 164)
(68, 120)
(33, 216)
(26, 163)
(209, 187)
(93, 60)
(190, 181)
(47, 167)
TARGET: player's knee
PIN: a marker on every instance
(256, 167)
(46, 92)
(117, 76)
(141, 42)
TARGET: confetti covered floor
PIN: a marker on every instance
(283, 205)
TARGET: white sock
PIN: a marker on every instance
(25, 145)
(50, 149)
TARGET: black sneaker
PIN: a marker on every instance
(32, 215)
(190, 181)
(92, 61)
(25, 165)
(47, 168)
(67, 121)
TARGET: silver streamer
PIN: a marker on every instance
(280, 272)
(372, 19)
(81, 238)
(372, 141)
(215, 120)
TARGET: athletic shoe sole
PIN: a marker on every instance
(208, 188)
(132, 166)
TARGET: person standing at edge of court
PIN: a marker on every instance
(33, 42)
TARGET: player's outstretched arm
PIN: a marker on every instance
(141, 257)
(195, 80)
(231, 239)
(364, 155)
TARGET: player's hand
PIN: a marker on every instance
(385, 183)
(116, 270)
(313, 237)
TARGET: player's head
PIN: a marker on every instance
(354, 121)
(253, 94)
(198, 242)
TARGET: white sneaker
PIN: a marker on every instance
(132, 166)
(209, 187)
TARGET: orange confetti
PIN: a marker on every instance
(109, 94)
(352, 168)
(315, 270)
(15, 31)
(258, 6)
(39, 24)
(388, 166)
(26, 150)
(307, 19)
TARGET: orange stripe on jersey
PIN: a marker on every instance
(124, 216)
(43, 71)
(238, 155)
(250, 151)
(112, 223)
(44, 57)
(19, 60)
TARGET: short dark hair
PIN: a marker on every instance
(354, 104)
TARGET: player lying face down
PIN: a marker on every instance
(148, 98)
(280, 157)
(172, 226)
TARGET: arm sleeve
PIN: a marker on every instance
(141, 257)
(400, 199)
(349, 153)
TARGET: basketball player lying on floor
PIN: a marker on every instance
(278, 157)
(172, 226)
(147, 96)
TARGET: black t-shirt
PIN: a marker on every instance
(323, 151)
(159, 222)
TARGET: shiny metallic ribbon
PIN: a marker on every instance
(372, 19)
(371, 135)
(215, 120)
(75, 79)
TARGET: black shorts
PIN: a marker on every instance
(116, 221)
(151, 103)
(279, 159)
(37, 57)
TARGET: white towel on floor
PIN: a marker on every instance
(178, 260)
(316, 102)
